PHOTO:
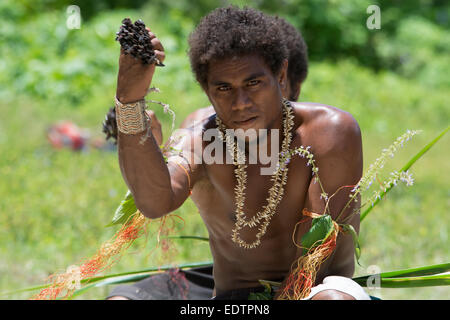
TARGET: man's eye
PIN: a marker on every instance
(253, 82)
(223, 88)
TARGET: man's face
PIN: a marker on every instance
(245, 93)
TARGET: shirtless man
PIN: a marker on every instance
(243, 78)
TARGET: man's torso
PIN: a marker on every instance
(214, 195)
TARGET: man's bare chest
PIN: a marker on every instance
(216, 196)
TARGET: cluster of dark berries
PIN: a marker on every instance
(135, 40)
(110, 125)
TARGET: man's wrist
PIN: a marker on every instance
(131, 118)
(123, 99)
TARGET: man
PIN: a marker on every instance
(198, 283)
(240, 60)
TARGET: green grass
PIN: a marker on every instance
(55, 204)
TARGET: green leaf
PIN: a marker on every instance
(8, 293)
(411, 282)
(349, 228)
(427, 276)
(321, 228)
(124, 277)
(414, 282)
(412, 272)
(266, 295)
(125, 210)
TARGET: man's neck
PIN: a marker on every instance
(265, 139)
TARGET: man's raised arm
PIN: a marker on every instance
(157, 188)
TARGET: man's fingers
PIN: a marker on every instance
(157, 44)
(152, 116)
(149, 31)
(155, 126)
(160, 55)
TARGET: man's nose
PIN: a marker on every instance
(241, 100)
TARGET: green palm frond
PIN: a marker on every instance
(427, 276)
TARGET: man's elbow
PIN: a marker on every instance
(153, 211)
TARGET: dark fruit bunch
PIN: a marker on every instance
(110, 125)
(135, 40)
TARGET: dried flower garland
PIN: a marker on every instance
(279, 179)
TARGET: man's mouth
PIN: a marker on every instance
(245, 121)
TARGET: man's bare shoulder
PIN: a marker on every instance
(191, 139)
(327, 128)
(197, 116)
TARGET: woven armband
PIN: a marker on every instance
(131, 117)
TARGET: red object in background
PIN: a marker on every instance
(66, 134)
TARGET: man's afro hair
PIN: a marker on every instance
(298, 52)
(231, 31)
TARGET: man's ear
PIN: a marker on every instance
(282, 75)
(205, 90)
(295, 91)
(204, 86)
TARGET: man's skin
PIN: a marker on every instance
(240, 88)
(198, 115)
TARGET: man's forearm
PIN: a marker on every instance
(146, 174)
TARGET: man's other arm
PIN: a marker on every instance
(338, 154)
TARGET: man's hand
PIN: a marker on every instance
(134, 77)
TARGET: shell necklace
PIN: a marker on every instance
(279, 179)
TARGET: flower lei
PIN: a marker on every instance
(279, 179)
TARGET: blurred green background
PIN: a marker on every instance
(55, 203)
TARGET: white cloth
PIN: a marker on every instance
(342, 284)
